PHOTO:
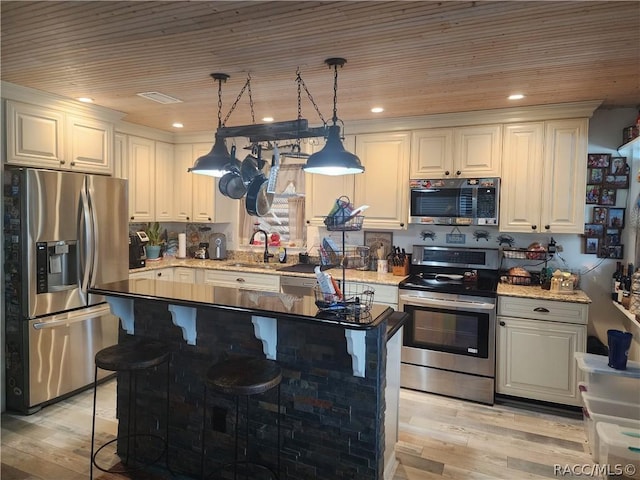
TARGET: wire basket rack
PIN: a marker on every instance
(339, 223)
(523, 254)
(356, 298)
(355, 257)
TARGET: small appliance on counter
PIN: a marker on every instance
(218, 243)
(202, 251)
(137, 253)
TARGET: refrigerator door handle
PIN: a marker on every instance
(73, 317)
(93, 235)
(84, 225)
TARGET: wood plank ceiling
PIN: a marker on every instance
(410, 57)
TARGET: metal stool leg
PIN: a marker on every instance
(93, 422)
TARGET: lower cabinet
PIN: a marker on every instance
(536, 342)
(158, 274)
(184, 275)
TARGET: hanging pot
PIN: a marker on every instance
(250, 165)
(259, 195)
(231, 184)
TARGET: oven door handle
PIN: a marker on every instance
(438, 302)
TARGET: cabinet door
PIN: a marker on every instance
(90, 144)
(183, 181)
(165, 181)
(184, 275)
(535, 359)
(431, 153)
(35, 136)
(477, 151)
(141, 179)
(383, 185)
(203, 193)
(521, 172)
(242, 280)
(564, 176)
(321, 191)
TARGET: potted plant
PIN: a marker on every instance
(155, 240)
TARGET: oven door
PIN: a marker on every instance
(450, 332)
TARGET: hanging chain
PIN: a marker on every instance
(335, 94)
(253, 115)
(219, 102)
(233, 107)
(301, 82)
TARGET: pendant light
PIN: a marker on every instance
(215, 163)
(333, 159)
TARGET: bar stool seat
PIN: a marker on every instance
(132, 357)
(243, 377)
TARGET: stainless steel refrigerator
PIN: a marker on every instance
(63, 232)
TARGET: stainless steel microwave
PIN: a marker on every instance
(455, 201)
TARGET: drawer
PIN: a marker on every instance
(387, 294)
(554, 311)
(249, 281)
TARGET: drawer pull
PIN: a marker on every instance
(541, 309)
(502, 324)
(241, 280)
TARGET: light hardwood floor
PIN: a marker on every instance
(439, 438)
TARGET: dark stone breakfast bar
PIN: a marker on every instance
(334, 376)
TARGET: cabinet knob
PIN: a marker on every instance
(62, 162)
(547, 227)
(502, 324)
(458, 173)
(209, 218)
(308, 222)
(187, 218)
(534, 227)
(541, 309)
(240, 279)
(159, 274)
(402, 224)
(73, 164)
(446, 172)
(131, 218)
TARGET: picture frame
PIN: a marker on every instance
(595, 176)
(612, 237)
(598, 160)
(616, 181)
(593, 230)
(607, 196)
(600, 215)
(618, 166)
(374, 240)
(611, 251)
(615, 218)
(593, 194)
(591, 245)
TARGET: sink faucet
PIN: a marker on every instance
(266, 255)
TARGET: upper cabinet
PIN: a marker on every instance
(547, 160)
(142, 179)
(459, 152)
(165, 182)
(44, 137)
(204, 189)
(385, 157)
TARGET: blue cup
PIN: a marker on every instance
(619, 344)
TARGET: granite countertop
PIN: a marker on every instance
(252, 302)
(351, 275)
(536, 292)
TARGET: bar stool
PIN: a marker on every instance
(132, 357)
(243, 377)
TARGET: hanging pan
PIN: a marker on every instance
(231, 184)
(251, 165)
(259, 198)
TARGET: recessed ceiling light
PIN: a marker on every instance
(516, 96)
(267, 119)
(177, 125)
(85, 99)
(377, 110)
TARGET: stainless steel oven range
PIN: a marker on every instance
(449, 339)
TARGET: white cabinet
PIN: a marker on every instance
(244, 280)
(43, 137)
(164, 182)
(120, 156)
(382, 294)
(158, 274)
(194, 195)
(203, 189)
(536, 342)
(142, 179)
(385, 157)
(90, 144)
(462, 152)
(384, 183)
(184, 275)
(548, 161)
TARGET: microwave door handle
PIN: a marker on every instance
(437, 302)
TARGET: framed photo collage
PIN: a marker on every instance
(606, 175)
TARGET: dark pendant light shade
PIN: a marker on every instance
(216, 162)
(333, 159)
